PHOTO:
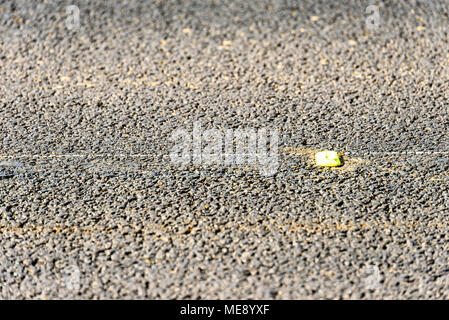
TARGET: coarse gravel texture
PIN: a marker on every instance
(91, 206)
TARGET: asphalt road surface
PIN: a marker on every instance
(92, 206)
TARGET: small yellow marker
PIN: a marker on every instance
(327, 159)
